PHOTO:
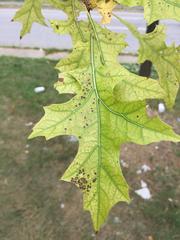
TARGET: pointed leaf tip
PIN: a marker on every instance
(29, 13)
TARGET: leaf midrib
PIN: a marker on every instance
(29, 14)
(98, 127)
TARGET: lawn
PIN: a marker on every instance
(35, 205)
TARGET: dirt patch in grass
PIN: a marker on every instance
(35, 205)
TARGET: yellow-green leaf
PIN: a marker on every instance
(100, 114)
(29, 13)
(102, 124)
(156, 9)
(105, 9)
(130, 87)
(165, 59)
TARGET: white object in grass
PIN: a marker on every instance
(39, 89)
(143, 184)
(29, 124)
(178, 119)
(161, 108)
(62, 205)
(124, 164)
(116, 220)
(145, 168)
(72, 139)
(144, 191)
(139, 171)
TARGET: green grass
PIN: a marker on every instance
(23, 75)
(30, 192)
(163, 212)
(28, 186)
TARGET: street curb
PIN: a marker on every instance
(40, 53)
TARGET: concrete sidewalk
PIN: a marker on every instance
(44, 37)
(32, 45)
(41, 53)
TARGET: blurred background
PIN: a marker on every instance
(34, 204)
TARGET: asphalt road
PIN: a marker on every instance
(43, 37)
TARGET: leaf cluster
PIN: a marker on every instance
(108, 106)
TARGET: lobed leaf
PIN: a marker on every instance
(165, 59)
(108, 106)
(130, 87)
(156, 9)
(105, 9)
(98, 118)
(30, 12)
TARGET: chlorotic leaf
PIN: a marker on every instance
(130, 87)
(102, 124)
(71, 7)
(100, 113)
(155, 10)
(30, 12)
(100, 130)
(70, 86)
(105, 9)
(165, 59)
(79, 57)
